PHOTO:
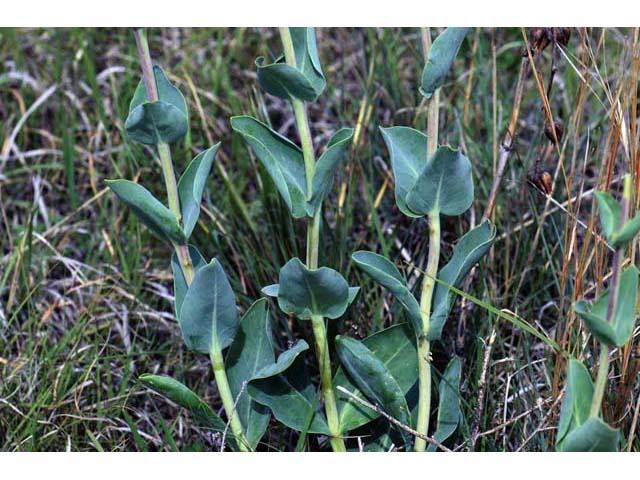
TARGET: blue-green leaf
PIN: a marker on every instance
(185, 397)
(158, 218)
(285, 387)
(395, 347)
(326, 167)
(165, 120)
(609, 211)
(449, 402)
(628, 232)
(281, 158)
(209, 316)
(250, 352)
(306, 81)
(191, 186)
(445, 185)
(386, 274)
(374, 379)
(619, 331)
(577, 432)
(469, 250)
(408, 150)
(304, 293)
(180, 286)
(441, 56)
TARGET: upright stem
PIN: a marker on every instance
(222, 382)
(182, 251)
(424, 363)
(603, 366)
(313, 241)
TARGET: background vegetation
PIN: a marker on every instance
(85, 291)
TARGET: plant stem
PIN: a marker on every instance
(603, 367)
(222, 382)
(313, 241)
(424, 363)
(182, 251)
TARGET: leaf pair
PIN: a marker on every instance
(305, 81)
(306, 293)
(158, 218)
(469, 250)
(163, 121)
(284, 163)
(440, 184)
(610, 213)
(619, 331)
(577, 431)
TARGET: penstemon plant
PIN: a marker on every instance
(610, 319)
(431, 181)
(205, 305)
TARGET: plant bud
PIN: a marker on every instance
(540, 39)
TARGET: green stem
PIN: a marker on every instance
(424, 363)
(313, 241)
(166, 162)
(603, 367)
(222, 382)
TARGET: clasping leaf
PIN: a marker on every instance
(165, 120)
(285, 387)
(386, 274)
(304, 82)
(618, 332)
(149, 210)
(449, 402)
(577, 431)
(424, 186)
(441, 56)
(374, 379)
(209, 317)
(191, 187)
(469, 250)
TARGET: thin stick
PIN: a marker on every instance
(394, 421)
(482, 389)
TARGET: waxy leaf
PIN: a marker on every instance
(149, 210)
(374, 379)
(609, 211)
(162, 121)
(592, 436)
(444, 186)
(191, 186)
(441, 56)
(304, 82)
(449, 402)
(185, 397)
(628, 232)
(577, 432)
(386, 274)
(469, 250)
(619, 331)
(326, 167)
(281, 158)
(285, 387)
(180, 286)
(395, 347)
(250, 352)
(304, 293)
(272, 291)
(408, 150)
(209, 317)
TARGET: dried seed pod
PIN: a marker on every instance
(559, 132)
(561, 36)
(542, 180)
(540, 39)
